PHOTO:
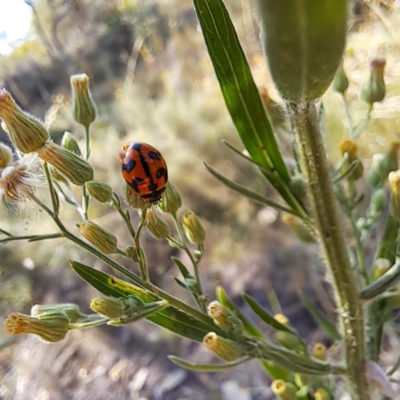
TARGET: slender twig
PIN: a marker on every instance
(32, 238)
(360, 128)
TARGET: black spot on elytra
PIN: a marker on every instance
(162, 172)
(153, 186)
(136, 146)
(154, 156)
(128, 167)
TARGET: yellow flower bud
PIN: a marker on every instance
(108, 306)
(84, 109)
(225, 349)
(71, 310)
(298, 227)
(99, 237)
(156, 226)
(282, 319)
(283, 390)
(381, 266)
(350, 147)
(193, 227)
(133, 199)
(50, 327)
(340, 82)
(322, 394)
(74, 168)
(171, 200)
(394, 184)
(374, 89)
(70, 143)
(220, 315)
(319, 351)
(26, 132)
(99, 191)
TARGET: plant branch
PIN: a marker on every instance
(315, 166)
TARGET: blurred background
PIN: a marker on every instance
(152, 81)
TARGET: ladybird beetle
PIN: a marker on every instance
(144, 170)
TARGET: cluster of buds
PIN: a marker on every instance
(31, 137)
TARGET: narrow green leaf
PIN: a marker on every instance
(273, 370)
(320, 318)
(207, 367)
(264, 315)
(184, 271)
(237, 85)
(249, 193)
(181, 284)
(169, 318)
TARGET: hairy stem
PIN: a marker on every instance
(327, 220)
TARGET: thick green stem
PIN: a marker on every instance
(327, 220)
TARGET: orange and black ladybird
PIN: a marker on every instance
(144, 170)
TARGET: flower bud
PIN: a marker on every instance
(225, 349)
(381, 266)
(99, 191)
(74, 168)
(192, 284)
(319, 351)
(156, 226)
(298, 186)
(378, 203)
(71, 310)
(84, 109)
(6, 156)
(171, 200)
(394, 184)
(132, 253)
(50, 327)
(322, 394)
(283, 390)
(350, 147)
(340, 82)
(70, 143)
(193, 227)
(283, 319)
(56, 174)
(220, 315)
(374, 89)
(298, 227)
(289, 340)
(99, 237)
(26, 132)
(133, 199)
(110, 307)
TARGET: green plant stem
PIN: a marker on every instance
(315, 166)
(144, 272)
(362, 267)
(348, 116)
(126, 220)
(193, 261)
(32, 238)
(360, 128)
(53, 195)
(85, 196)
(173, 301)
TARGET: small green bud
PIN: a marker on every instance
(70, 143)
(50, 327)
(320, 351)
(298, 227)
(381, 266)
(171, 200)
(108, 306)
(394, 184)
(340, 82)
(6, 156)
(193, 227)
(133, 199)
(350, 147)
(220, 315)
(322, 394)
(26, 132)
(289, 340)
(99, 237)
(224, 348)
(84, 109)
(374, 89)
(298, 186)
(71, 310)
(74, 168)
(378, 202)
(132, 253)
(99, 191)
(192, 284)
(156, 226)
(283, 390)
(382, 164)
